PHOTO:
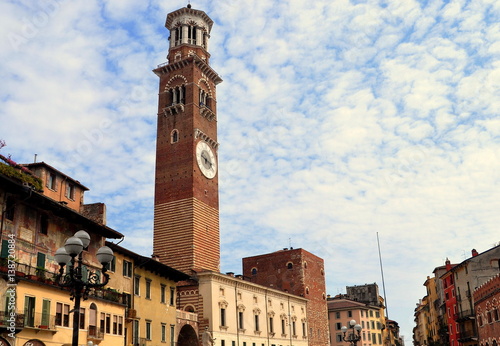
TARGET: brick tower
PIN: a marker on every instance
(186, 211)
(299, 272)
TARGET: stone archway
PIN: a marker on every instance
(187, 336)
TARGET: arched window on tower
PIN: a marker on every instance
(203, 98)
(192, 34)
(178, 35)
(174, 136)
(177, 95)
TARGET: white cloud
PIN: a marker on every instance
(336, 121)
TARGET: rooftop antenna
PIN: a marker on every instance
(383, 281)
(35, 158)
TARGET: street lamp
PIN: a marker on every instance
(78, 287)
(355, 334)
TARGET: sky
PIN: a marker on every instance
(340, 123)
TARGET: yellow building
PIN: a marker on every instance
(341, 310)
(150, 295)
(41, 208)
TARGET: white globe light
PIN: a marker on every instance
(73, 246)
(62, 257)
(84, 237)
(104, 255)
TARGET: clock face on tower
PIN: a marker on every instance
(206, 159)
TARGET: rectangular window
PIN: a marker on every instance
(338, 325)
(172, 334)
(102, 325)
(148, 289)
(283, 329)
(120, 325)
(222, 317)
(135, 332)
(29, 311)
(58, 320)
(294, 331)
(304, 329)
(112, 265)
(115, 324)
(51, 181)
(162, 293)
(163, 332)
(10, 209)
(257, 322)
(65, 315)
(240, 320)
(349, 313)
(44, 224)
(337, 314)
(127, 297)
(127, 269)
(271, 325)
(108, 323)
(172, 296)
(82, 318)
(338, 337)
(223, 343)
(148, 330)
(70, 191)
(137, 281)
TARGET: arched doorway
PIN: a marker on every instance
(187, 336)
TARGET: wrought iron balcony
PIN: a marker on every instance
(10, 323)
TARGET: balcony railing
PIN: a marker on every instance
(465, 315)
(467, 336)
(30, 273)
(187, 316)
(95, 333)
(141, 342)
(7, 322)
(39, 320)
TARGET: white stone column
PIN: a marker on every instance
(199, 37)
(184, 34)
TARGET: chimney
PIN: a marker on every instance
(474, 253)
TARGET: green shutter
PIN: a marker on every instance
(45, 312)
(5, 249)
(40, 260)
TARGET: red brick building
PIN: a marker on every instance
(186, 214)
(451, 303)
(299, 272)
(487, 309)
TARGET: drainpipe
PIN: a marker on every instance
(237, 319)
(267, 319)
(289, 321)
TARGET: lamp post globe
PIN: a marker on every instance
(72, 255)
(355, 333)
